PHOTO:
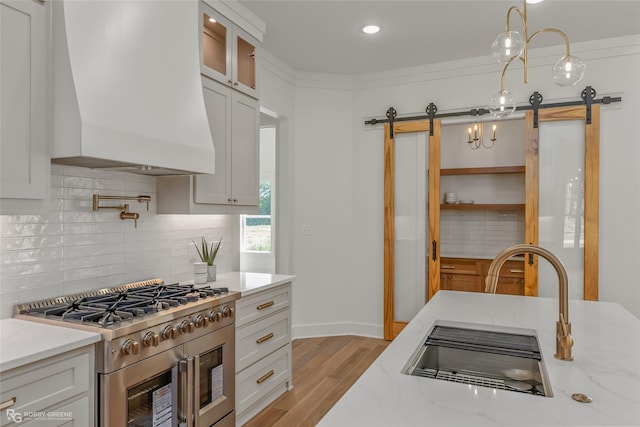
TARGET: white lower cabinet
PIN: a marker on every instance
(263, 350)
(53, 392)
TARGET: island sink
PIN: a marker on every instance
(482, 355)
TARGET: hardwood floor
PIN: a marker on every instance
(323, 370)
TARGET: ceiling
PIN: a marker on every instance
(324, 35)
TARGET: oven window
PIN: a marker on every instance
(211, 377)
(150, 404)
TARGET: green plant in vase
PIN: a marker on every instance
(207, 253)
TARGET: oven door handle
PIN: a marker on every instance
(186, 405)
(195, 389)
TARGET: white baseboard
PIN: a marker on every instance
(334, 329)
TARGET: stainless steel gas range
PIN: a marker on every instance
(167, 355)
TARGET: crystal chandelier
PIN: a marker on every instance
(511, 45)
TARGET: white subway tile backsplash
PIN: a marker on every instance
(93, 249)
(31, 281)
(29, 255)
(18, 243)
(13, 297)
(21, 230)
(94, 271)
(92, 238)
(70, 249)
(89, 261)
(85, 284)
(29, 268)
(477, 234)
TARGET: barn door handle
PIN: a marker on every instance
(434, 248)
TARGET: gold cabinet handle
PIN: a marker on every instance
(265, 305)
(265, 377)
(517, 271)
(7, 403)
(449, 267)
(264, 338)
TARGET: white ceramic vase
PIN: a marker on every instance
(211, 273)
(200, 273)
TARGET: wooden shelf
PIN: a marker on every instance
(483, 207)
(478, 171)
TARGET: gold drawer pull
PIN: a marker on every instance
(264, 338)
(7, 404)
(449, 267)
(517, 271)
(265, 305)
(265, 377)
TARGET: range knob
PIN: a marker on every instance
(200, 321)
(185, 326)
(169, 332)
(227, 311)
(214, 316)
(130, 346)
(150, 339)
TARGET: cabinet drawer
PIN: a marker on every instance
(461, 282)
(510, 286)
(460, 266)
(258, 306)
(43, 384)
(512, 268)
(257, 340)
(260, 379)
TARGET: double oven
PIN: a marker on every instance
(167, 357)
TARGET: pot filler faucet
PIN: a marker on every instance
(564, 342)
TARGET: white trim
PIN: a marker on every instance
(538, 57)
(335, 329)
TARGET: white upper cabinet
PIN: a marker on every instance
(231, 101)
(24, 168)
(237, 165)
(234, 119)
(228, 53)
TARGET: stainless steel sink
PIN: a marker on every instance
(482, 355)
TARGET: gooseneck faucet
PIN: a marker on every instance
(564, 342)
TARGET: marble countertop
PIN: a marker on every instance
(23, 342)
(606, 367)
(250, 283)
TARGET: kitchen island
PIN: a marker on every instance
(606, 367)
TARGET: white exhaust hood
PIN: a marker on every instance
(127, 91)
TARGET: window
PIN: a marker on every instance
(257, 243)
(256, 229)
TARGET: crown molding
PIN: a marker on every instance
(538, 57)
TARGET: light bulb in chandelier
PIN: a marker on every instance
(507, 45)
(502, 104)
(569, 70)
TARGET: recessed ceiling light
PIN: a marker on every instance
(212, 20)
(370, 29)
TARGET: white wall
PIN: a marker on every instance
(338, 165)
(67, 248)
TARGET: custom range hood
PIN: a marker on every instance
(127, 91)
